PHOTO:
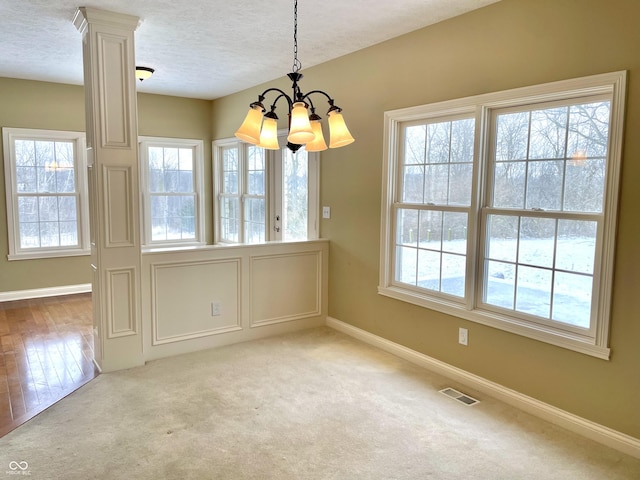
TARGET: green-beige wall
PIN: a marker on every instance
(512, 43)
(53, 106)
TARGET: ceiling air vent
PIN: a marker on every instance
(461, 397)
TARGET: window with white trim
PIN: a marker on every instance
(46, 188)
(264, 195)
(172, 188)
(501, 208)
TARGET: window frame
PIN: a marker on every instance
(273, 190)
(9, 136)
(313, 188)
(218, 148)
(482, 107)
(144, 143)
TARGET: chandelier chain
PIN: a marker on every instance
(297, 65)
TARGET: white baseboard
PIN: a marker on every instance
(44, 292)
(594, 431)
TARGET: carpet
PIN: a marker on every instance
(315, 404)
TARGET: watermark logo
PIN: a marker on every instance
(18, 468)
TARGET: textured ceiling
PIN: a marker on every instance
(210, 48)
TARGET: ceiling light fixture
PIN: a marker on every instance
(304, 128)
(142, 73)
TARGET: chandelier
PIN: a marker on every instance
(304, 128)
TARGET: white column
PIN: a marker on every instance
(112, 155)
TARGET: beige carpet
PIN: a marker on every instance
(311, 405)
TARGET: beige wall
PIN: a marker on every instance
(509, 44)
(49, 106)
(52, 106)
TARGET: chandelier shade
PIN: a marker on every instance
(339, 134)
(300, 131)
(249, 131)
(269, 132)
(317, 144)
(304, 124)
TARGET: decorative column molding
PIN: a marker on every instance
(112, 156)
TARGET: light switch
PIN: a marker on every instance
(326, 212)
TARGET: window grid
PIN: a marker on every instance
(46, 193)
(172, 191)
(432, 211)
(264, 195)
(45, 175)
(548, 189)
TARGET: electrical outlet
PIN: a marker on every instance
(463, 336)
(215, 309)
(326, 212)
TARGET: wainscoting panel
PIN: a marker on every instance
(285, 287)
(117, 201)
(195, 299)
(121, 296)
(113, 61)
(204, 297)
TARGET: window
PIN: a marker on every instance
(296, 187)
(172, 191)
(47, 209)
(434, 210)
(501, 208)
(264, 195)
(242, 193)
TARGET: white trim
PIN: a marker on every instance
(586, 428)
(49, 253)
(44, 292)
(538, 332)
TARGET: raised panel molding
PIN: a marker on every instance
(115, 92)
(191, 287)
(121, 302)
(285, 287)
(118, 220)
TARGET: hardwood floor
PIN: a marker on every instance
(46, 352)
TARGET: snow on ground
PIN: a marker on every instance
(531, 287)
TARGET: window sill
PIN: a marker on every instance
(217, 246)
(558, 338)
(42, 254)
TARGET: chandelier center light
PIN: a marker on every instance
(260, 128)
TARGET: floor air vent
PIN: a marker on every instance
(461, 397)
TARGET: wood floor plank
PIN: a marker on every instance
(46, 352)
